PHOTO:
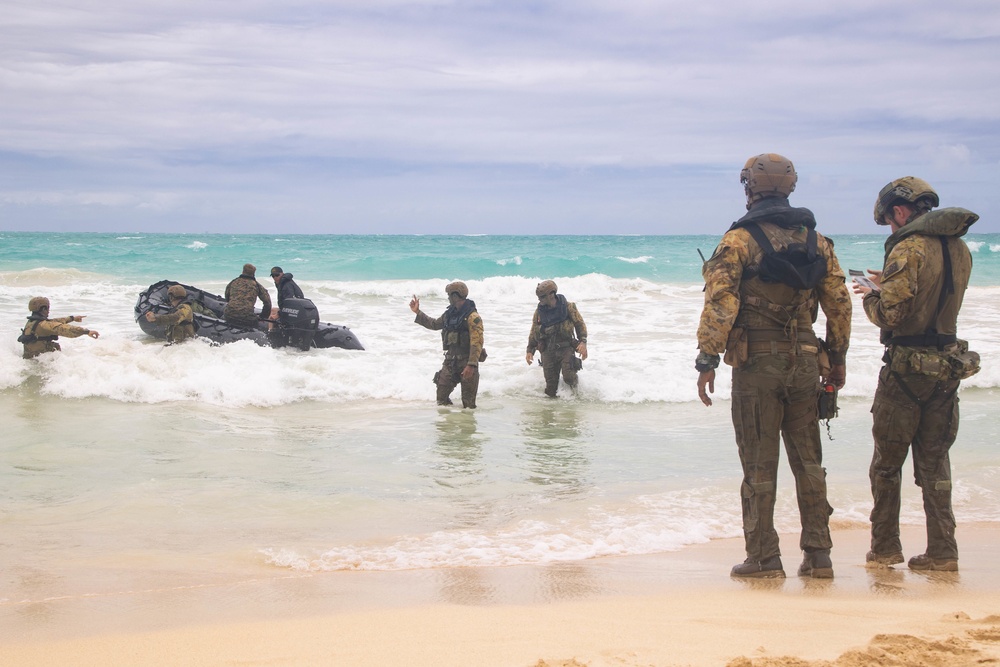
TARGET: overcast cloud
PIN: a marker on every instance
(424, 116)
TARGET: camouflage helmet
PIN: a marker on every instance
(768, 175)
(545, 287)
(37, 303)
(457, 287)
(177, 292)
(910, 189)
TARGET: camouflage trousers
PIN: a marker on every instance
(774, 395)
(450, 376)
(241, 317)
(558, 359)
(929, 425)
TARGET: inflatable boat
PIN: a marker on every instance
(298, 321)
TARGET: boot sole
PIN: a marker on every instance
(934, 567)
(766, 574)
(818, 573)
(884, 561)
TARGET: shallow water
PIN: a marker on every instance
(128, 465)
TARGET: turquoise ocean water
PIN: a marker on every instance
(126, 464)
(668, 259)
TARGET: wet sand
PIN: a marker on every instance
(669, 609)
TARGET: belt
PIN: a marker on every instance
(781, 347)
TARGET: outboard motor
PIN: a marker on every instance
(298, 320)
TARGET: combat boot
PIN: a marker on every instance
(817, 564)
(764, 569)
(873, 559)
(926, 563)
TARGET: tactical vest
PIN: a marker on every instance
(941, 284)
(455, 329)
(554, 326)
(28, 338)
(772, 310)
(184, 329)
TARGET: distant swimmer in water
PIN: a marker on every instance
(41, 333)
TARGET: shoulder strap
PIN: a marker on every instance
(761, 238)
(948, 286)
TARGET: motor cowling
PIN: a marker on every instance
(299, 314)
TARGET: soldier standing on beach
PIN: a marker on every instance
(462, 339)
(762, 287)
(179, 320)
(916, 303)
(241, 295)
(41, 333)
(559, 333)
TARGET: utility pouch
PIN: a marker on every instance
(823, 359)
(577, 363)
(827, 402)
(737, 348)
(436, 376)
(956, 362)
(964, 363)
(451, 338)
(482, 355)
(27, 339)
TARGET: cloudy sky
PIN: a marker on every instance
(486, 116)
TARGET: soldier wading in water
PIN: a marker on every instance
(179, 320)
(558, 332)
(763, 285)
(41, 333)
(462, 339)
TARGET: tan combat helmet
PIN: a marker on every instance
(457, 287)
(37, 303)
(545, 288)
(910, 189)
(768, 175)
(177, 292)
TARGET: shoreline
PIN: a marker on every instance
(676, 608)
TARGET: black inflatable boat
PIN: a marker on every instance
(298, 321)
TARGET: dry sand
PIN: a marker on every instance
(663, 610)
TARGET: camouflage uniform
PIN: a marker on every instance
(775, 389)
(179, 323)
(46, 332)
(557, 341)
(462, 340)
(914, 408)
(241, 294)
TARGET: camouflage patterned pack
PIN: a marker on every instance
(956, 362)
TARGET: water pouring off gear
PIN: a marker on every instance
(764, 284)
(461, 330)
(916, 306)
(559, 333)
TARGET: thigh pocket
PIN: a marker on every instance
(891, 423)
(746, 417)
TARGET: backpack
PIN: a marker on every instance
(799, 265)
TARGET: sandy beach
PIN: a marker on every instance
(669, 609)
